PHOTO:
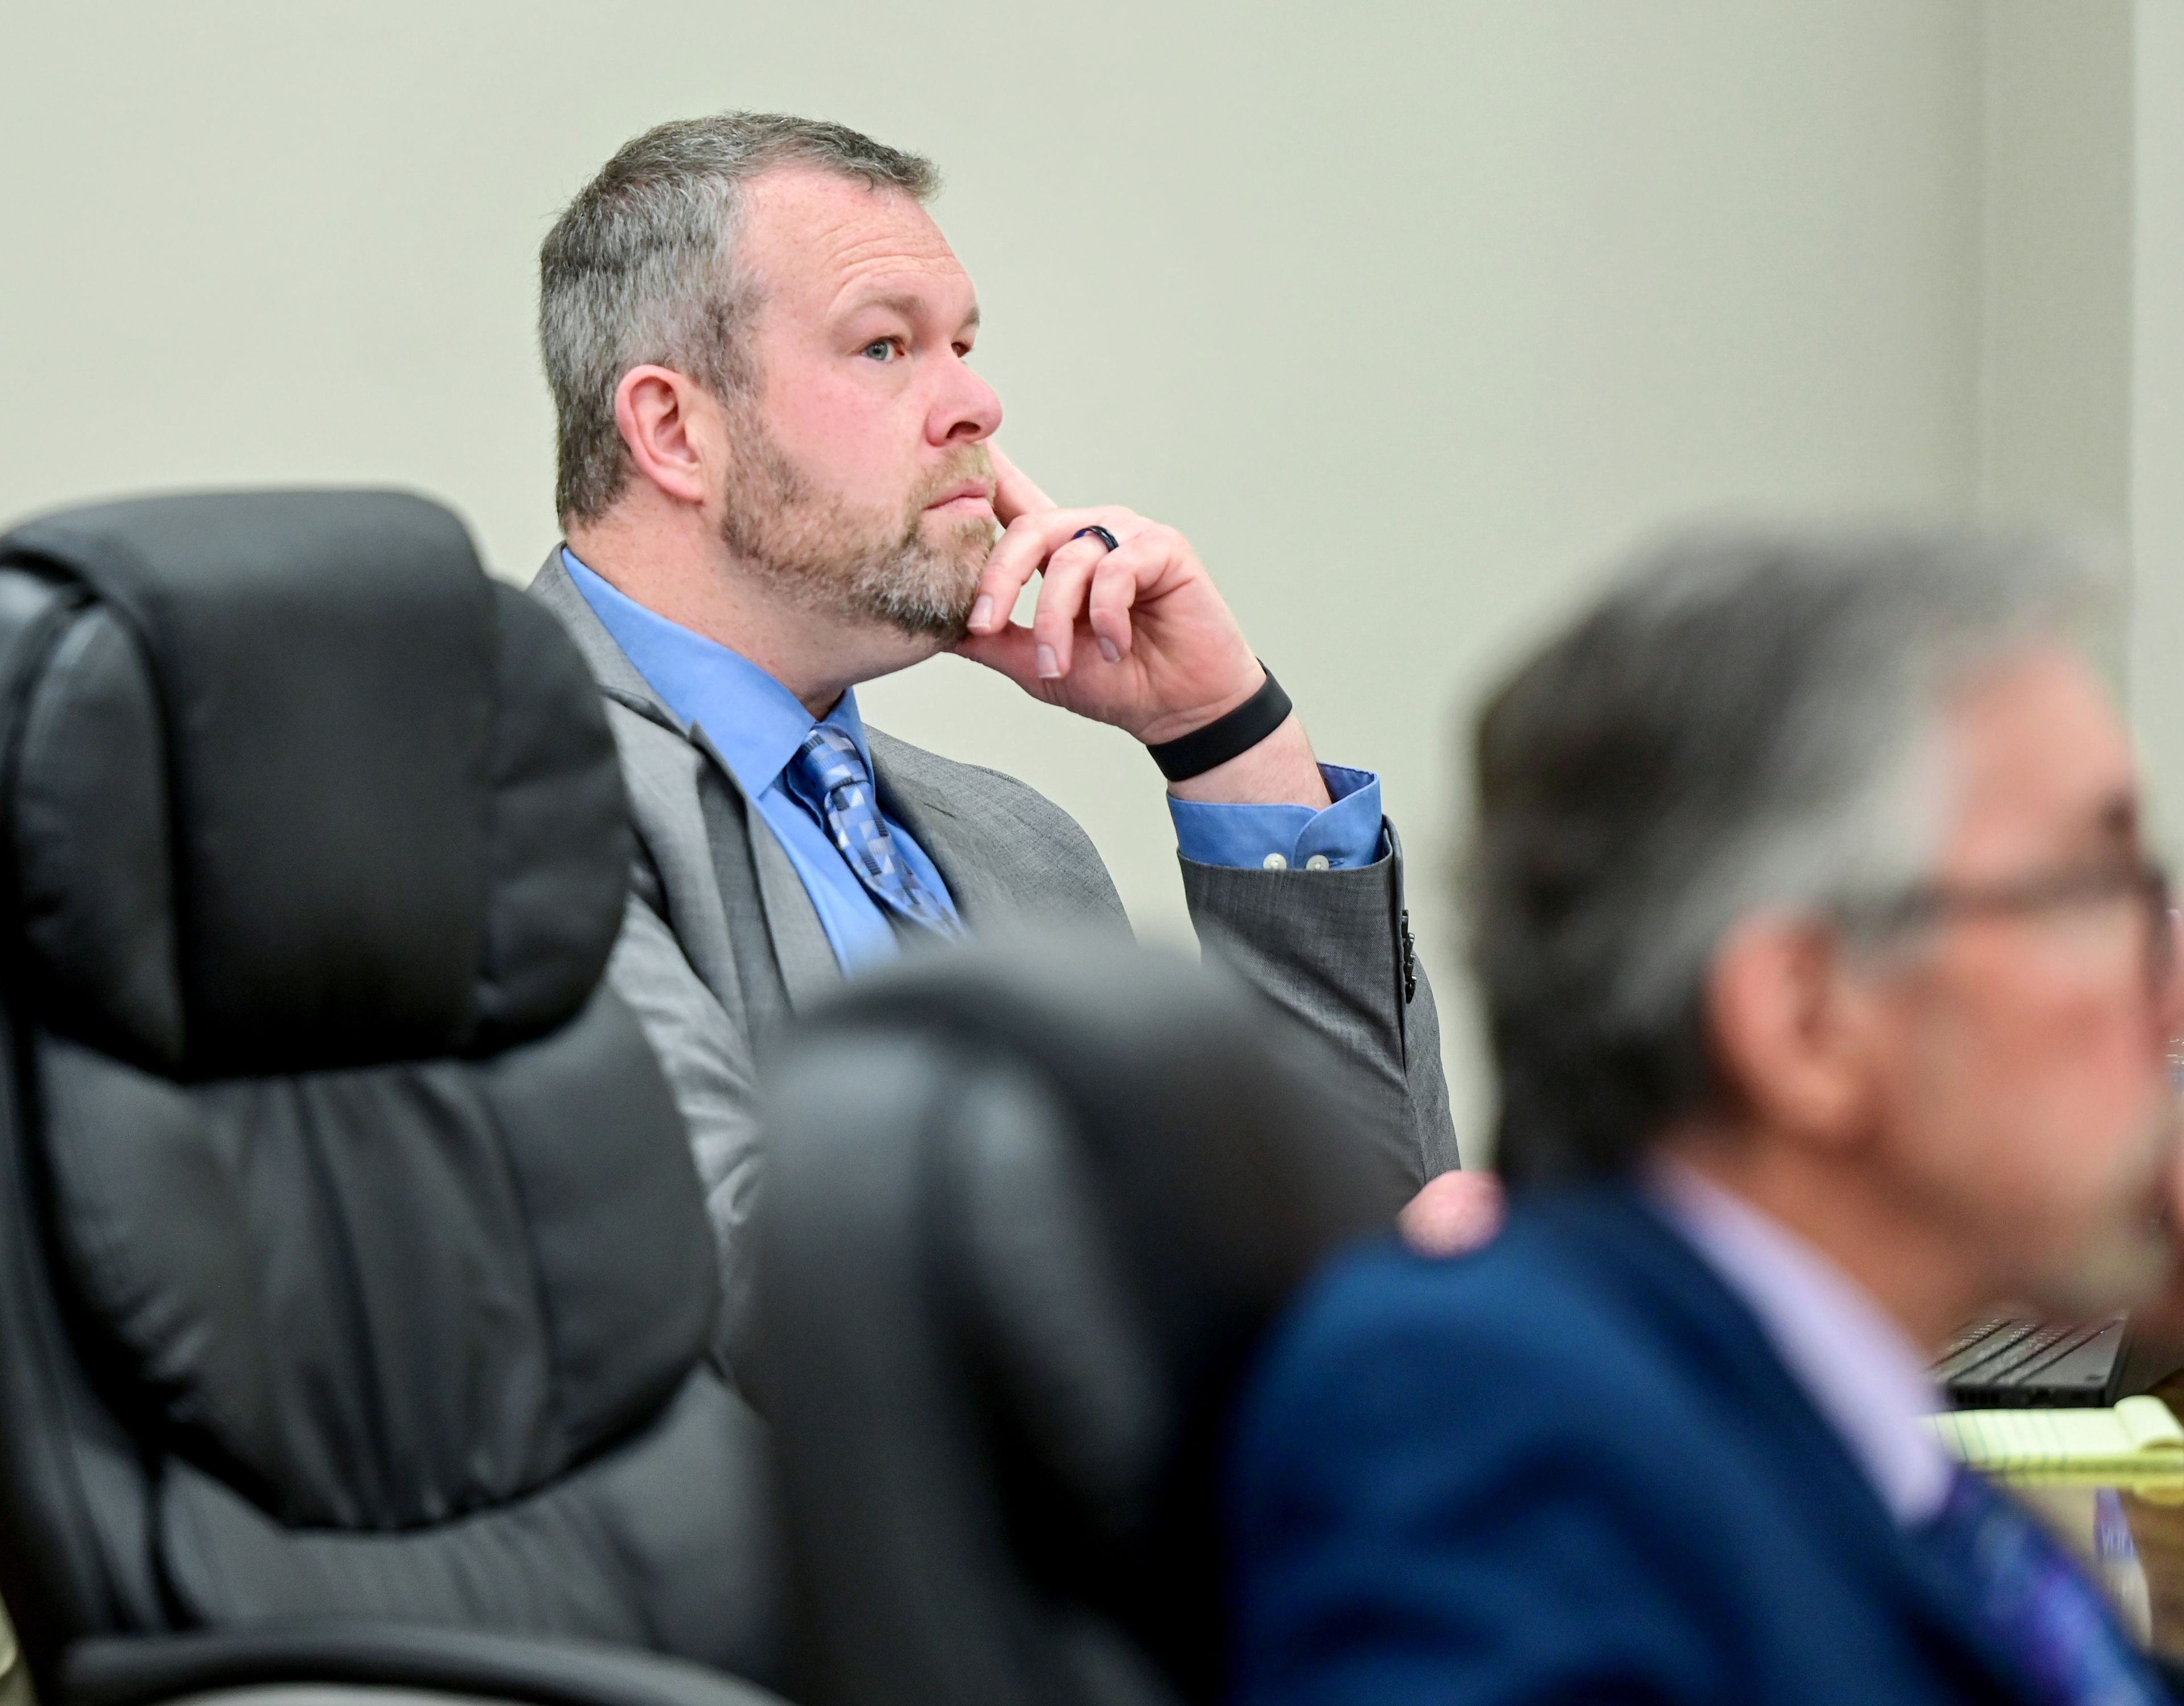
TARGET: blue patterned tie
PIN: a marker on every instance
(828, 775)
(2034, 1601)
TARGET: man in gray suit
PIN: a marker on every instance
(776, 481)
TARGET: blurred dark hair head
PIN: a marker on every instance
(1744, 719)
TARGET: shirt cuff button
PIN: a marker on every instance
(1274, 861)
(1317, 862)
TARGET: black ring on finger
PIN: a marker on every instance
(1099, 532)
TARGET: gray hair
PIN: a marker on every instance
(1746, 720)
(641, 268)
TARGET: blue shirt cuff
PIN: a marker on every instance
(1346, 834)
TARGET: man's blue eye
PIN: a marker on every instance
(881, 349)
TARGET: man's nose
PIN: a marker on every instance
(967, 412)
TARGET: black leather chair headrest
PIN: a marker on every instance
(193, 896)
(1030, 1209)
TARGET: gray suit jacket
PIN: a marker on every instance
(722, 945)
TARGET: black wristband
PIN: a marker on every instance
(1225, 736)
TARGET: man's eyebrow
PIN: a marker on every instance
(911, 307)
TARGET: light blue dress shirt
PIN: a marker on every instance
(1346, 833)
(756, 725)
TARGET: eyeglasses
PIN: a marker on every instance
(2143, 880)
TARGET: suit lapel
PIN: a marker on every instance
(1716, 1332)
(803, 955)
(808, 969)
(981, 894)
(767, 887)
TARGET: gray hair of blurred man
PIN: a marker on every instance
(1745, 721)
(641, 269)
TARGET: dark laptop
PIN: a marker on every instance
(2006, 1361)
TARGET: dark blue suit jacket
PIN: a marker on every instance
(1568, 1468)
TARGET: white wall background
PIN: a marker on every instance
(2156, 481)
(1409, 313)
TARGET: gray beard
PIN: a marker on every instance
(2130, 1262)
(824, 557)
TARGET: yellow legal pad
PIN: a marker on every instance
(2139, 1440)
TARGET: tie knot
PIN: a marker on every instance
(829, 759)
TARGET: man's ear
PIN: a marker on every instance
(1791, 1028)
(668, 424)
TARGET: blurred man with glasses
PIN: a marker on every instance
(1829, 987)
